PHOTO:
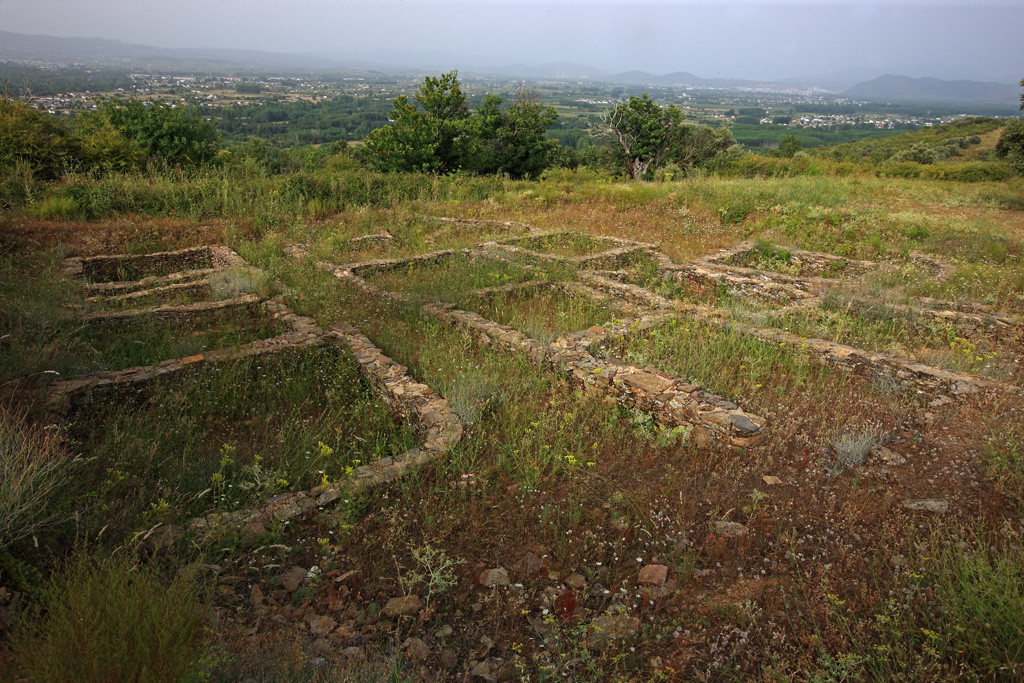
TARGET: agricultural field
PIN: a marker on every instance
(344, 425)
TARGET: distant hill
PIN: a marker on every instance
(891, 88)
(549, 70)
(932, 136)
(56, 50)
(685, 79)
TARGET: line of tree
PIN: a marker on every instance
(343, 117)
(117, 135)
(440, 134)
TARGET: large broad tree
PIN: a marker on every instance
(511, 139)
(645, 135)
(431, 138)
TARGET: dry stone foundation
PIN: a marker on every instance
(439, 427)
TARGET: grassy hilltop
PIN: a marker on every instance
(871, 529)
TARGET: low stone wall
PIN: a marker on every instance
(747, 282)
(184, 312)
(908, 373)
(118, 287)
(109, 267)
(814, 261)
(438, 424)
(488, 222)
(440, 427)
(67, 395)
(675, 403)
(384, 265)
(162, 292)
(374, 239)
(965, 323)
(610, 257)
(672, 402)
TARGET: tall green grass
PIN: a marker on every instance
(213, 192)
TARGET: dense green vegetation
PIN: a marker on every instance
(342, 117)
(23, 79)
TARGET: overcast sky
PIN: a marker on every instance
(749, 39)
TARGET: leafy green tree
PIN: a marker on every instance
(432, 140)
(445, 104)
(701, 144)
(33, 139)
(407, 144)
(789, 146)
(175, 134)
(512, 140)
(645, 135)
(1011, 145)
(103, 146)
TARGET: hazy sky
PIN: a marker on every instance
(749, 39)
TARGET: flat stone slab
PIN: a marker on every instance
(729, 529)
(653, 575)
(938, 505)
(403, 606)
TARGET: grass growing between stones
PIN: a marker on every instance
(34, 468)
(38, 328)
(542, 313)
(777, 380)
(1000, 285)
(906, 334)
(224, 284)
(457, 273)
(131, 271)
(148, 339)
(233, 434)
(568, 244)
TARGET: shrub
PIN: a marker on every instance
(172, 133)
(918, 154)
(1011, 145)
(112, 620)
(899, 169)
(33, 137)
(850, 449)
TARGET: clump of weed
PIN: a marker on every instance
(435, 570)
(111, 619)
(471, 394)
(33, 468)
(980, 590)
(850, 448)
(231, 283)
